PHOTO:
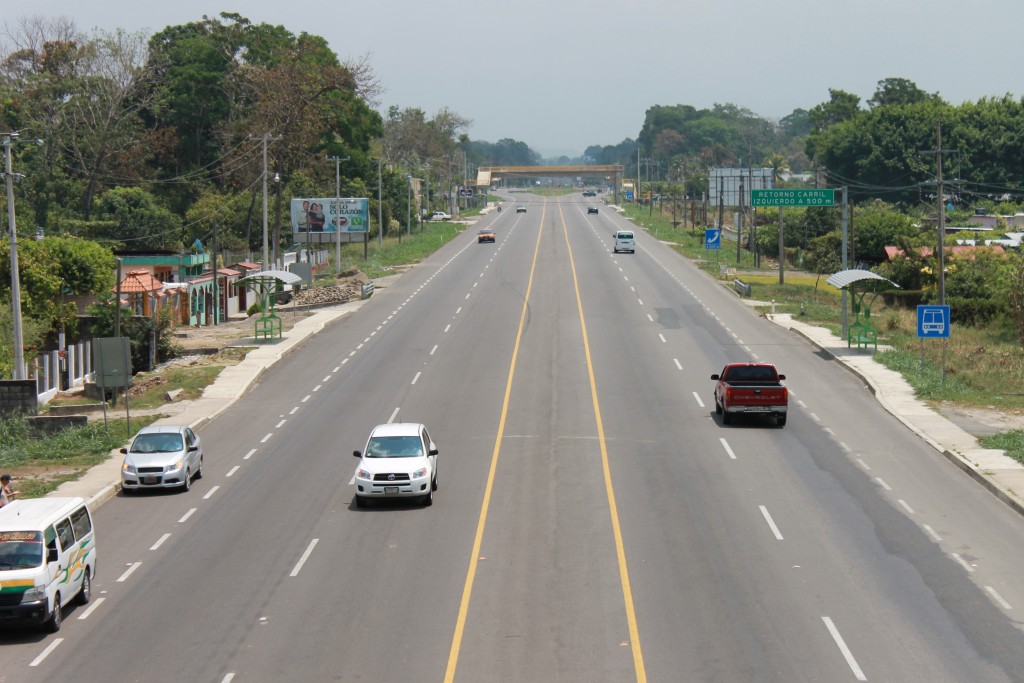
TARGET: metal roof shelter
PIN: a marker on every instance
(860, 283)
(263, 284)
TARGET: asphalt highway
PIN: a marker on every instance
(594, 521)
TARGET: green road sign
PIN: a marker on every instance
(792, 197)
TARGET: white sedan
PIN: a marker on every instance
(399, 461)
(440, 216)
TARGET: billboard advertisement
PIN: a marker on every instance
(327, 214)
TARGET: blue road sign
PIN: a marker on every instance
(933, 322)
(712, 238)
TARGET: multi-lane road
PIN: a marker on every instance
(594, 520)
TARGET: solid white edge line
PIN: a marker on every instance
(699, 402)
(305, 556)
(210, 492)
(771, 522)
(728, 450)
(845, 650)
(159, 542)
(393, 416)
(233, 470)
(998, 598)
(46, 653)
(92, 608)
(248, 455)
(128, 573)
(188, 514)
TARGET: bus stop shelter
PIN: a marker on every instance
(860, 284)
(265, 284)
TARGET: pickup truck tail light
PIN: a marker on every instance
(728, 394)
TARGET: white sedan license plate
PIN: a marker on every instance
(149, 480)
(390, 489)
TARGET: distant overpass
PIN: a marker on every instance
(610, 174)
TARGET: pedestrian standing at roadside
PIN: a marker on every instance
(6, 494)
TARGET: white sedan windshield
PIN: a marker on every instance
(394, 447)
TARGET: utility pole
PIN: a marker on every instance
(941, 199)
(739, 224)
(266, 137)
(408, 207)
(19, 342)
(380, 215)
(337, 207)
(843, 255)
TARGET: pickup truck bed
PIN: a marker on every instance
(751, 388)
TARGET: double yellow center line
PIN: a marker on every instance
(627, 591)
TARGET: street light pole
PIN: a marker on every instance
(408, 207)
(380, 210)
(337, 207)
(19, 351)
(266, 137)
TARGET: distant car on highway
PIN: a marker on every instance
(591, 209)
(589, 193)
(399, 461)
(162, 457)
(440, 216)
(485, 235)
(520, 209)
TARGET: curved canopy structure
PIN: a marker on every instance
(845, 278)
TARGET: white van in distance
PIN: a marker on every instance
(47, 559)
(624, 242)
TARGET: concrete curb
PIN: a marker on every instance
(989, 482)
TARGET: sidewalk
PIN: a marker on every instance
(1000, 474)
(993, 469)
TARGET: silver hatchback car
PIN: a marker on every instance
(167, 456)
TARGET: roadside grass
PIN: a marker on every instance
(382, 259)
(39, 464)
(1012, 442)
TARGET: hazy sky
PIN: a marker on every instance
(561, 75)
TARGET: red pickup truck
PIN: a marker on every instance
(751, 388)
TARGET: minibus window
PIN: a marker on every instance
(66, 535)
(81, 522)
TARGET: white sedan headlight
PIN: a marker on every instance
(128, 468)
(175, 466)
(420, 473)
(363, 474)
